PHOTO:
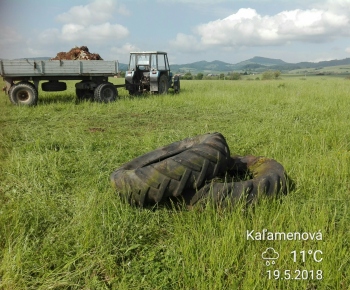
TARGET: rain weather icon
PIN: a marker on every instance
(270, 255)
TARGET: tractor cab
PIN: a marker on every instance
(149, 72)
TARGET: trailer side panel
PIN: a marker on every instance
(32, 68)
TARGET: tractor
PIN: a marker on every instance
(150, 72)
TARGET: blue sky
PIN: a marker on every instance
(189, 30)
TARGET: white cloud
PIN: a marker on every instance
(88, 23)
(106, 31)
(96, 12)
(337, 6)
(247, 28)
(122, 53)
(125, 49)
(347, 50)
(73, 33)
(185, 42)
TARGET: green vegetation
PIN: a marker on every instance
(63, 227)
(270, 75)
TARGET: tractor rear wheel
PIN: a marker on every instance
(163, 85)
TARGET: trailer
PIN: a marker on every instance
(22, 79)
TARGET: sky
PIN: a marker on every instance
(189, 30)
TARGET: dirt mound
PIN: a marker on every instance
(81, 53)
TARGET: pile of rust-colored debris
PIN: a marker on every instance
(80, 53)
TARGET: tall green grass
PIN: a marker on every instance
(63, 227)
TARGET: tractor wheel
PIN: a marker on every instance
(105, 93)
(177, 84)
(268, 177)
(163, 85)
(168, 171)
(23, 93)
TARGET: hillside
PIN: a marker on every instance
(203, 66)
(257, 64)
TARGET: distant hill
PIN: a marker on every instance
(123, 66)
(256, 64)
(334, 62)
(203, 66)
(259, 61)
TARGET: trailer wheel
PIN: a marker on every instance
(170, 170)
(23, 93)
(54, 86)
(163, 85)
(265, 177)
(84, 94)
(105, 93)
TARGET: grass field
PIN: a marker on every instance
(329, 70)
(62, 226)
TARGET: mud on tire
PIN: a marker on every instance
(170, 170)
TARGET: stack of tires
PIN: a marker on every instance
(189, 168)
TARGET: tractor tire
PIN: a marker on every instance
(23, 93)
(170, 170)
(163, 85)
(268, 178)
(105, 93)
(177, 84)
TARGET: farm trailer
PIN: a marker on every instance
(92, 74)
(147, 72)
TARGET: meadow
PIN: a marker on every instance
(62, 226)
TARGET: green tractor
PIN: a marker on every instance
(150, 72)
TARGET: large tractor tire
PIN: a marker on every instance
(170, 170)
(23, 93)
(105, 93)
(163, 85)
(267, 178)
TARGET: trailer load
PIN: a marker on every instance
(77, 53)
